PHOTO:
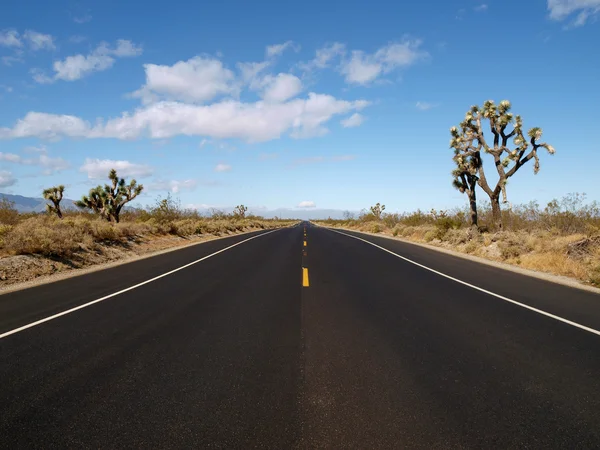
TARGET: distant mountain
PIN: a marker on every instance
(32, 204)
(286, 213)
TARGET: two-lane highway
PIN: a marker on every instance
(301, 338)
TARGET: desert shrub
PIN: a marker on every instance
(430, 236)
(376, 228)
(47, 236)
(8, 213)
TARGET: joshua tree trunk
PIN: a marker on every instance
(496, 212)
(473, 206)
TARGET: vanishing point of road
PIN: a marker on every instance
(303, 337)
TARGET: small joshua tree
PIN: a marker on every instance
(240, 211)
(377, 210)
(108, 201)
(468, 140)
(55, 195)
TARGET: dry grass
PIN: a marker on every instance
(562, 239)
(44, 234)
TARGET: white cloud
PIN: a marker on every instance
(363, 68)
(48, 164)
(198, 79)
(10, 157)
(250, 72)
(35, 39)
(324, 56)
(10, 38)
(82, 19)
(42, 149)
(99, 168)
(222, 167)
(281, 87)
(174, 186)
(561, 9)
(307, 204)
(353, 121)
(481, 8)
(425, 106)
(126, 49)
(252, 122)
(278, 49)
(39, 41)
(6, 179)
(78, 66)
(9, 60)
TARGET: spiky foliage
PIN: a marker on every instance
(240, 211)
(468, 141)
(108, 200)
(377, 210)
(55, 195)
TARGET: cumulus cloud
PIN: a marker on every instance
(49, 165)
(354, 120)
(6, 179)
(10, 38)
(307, 204)
(278, 49)
(99, 168)
(198, 79)
(35, 39)
(324, 56)
(41, 149)
(39, 41)
(281, 87)
(222, 167)
(252, 122)
(174, 186)
(78, 66)
(363, 68)
(481, 8)
(584, 9)
(85, 18)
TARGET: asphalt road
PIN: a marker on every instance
(273, 344)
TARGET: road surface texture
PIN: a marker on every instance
(300, 339)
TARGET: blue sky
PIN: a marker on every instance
(285, 104)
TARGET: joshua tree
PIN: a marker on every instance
(377, 210)
(55, 195)
(468, 140)
(240, 211)
(108, 201)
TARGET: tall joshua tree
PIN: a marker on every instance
(377, 210)
(240, 211)
(55, 195)
(468, 141)
(108, 201)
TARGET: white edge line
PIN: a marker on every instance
(114, 294)
(506, 299)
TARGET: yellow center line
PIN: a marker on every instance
(305, 277)
(305, 243)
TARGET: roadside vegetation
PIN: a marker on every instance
(102, 219)
(561, 238)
